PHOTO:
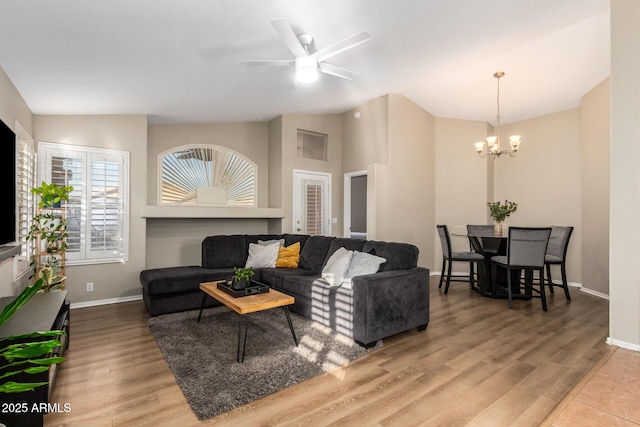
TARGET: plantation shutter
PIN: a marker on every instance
(314, 218)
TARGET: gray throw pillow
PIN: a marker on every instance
(361, 263)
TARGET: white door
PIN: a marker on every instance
(311, 203)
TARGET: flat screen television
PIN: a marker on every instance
(8, 180)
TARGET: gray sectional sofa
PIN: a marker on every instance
(375, 306)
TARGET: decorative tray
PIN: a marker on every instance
(255, 288)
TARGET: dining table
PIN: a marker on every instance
(489, 243)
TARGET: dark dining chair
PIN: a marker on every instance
(526, 249)
(490, 246)
(449, 257)
(557, 255)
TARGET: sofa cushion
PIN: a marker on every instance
(289, 256)
(399, 256)
(160, 281)
(224, 251)
(336, 267)
(319, 292)
(341, 242)
(314, 252)
(257, 238)
(262, 256)
(290, 239)
(362, 263)
(274, 276)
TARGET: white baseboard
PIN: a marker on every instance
(623, 344)
(98, 302)
(595, 293)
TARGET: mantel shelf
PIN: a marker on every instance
(210, 212)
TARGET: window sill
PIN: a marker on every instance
(210, 212)
(9, 251)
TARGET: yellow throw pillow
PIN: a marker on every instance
(289, 256)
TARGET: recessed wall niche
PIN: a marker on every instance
(312, 145)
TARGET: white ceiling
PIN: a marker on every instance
(178, 61)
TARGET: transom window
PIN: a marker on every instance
(207, 175)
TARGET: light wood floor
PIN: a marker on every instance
(477, 364)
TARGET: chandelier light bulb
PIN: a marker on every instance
(493, 142)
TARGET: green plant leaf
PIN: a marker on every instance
(20, 300)
(13, 387)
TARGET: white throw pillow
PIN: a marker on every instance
(268, 242)
(336, 267)
(263, 256)
(362, 263)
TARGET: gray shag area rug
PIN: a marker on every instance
(202, 355)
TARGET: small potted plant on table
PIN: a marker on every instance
(241, 278)
(499, 212)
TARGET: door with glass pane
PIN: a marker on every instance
(311, 203)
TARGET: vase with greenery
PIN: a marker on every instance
(25, 354)
(500, 211)
(51, 195)
(241, 278)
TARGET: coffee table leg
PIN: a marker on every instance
(204, 299)
(242, 337)
(293, 333)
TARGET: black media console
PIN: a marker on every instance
(44, 312)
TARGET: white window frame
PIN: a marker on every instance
(25, 170)
(46, 150)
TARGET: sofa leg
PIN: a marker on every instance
(371, 344)
(423, 327)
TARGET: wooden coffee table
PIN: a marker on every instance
(245, 305)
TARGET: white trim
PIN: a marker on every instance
(594, 293)
(346, 230)
(107, 301)
(623, 344)
(298, 175)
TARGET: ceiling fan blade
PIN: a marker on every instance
(341, 46)
(336, 71)
(291, 40)
(258, 62)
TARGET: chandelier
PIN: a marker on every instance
(493, 142)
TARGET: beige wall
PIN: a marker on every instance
(463, 182)
(117, 132)
(365, 139)
(275, 172)
(393, 140)
(624, 272)
(326, 124)
(175, 242)
(596, 129)
(12, 109)
(544, 179)
(248, 139)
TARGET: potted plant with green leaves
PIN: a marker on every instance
(241, 278)
(49, 232)
(499, 212)
(51, 195)
(29, 353)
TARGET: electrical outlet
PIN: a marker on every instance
(90, 287)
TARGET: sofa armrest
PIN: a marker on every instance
(389, 302)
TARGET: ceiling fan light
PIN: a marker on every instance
(306, 69)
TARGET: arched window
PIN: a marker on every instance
(207, 175)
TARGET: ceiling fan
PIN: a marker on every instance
(307, 65)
